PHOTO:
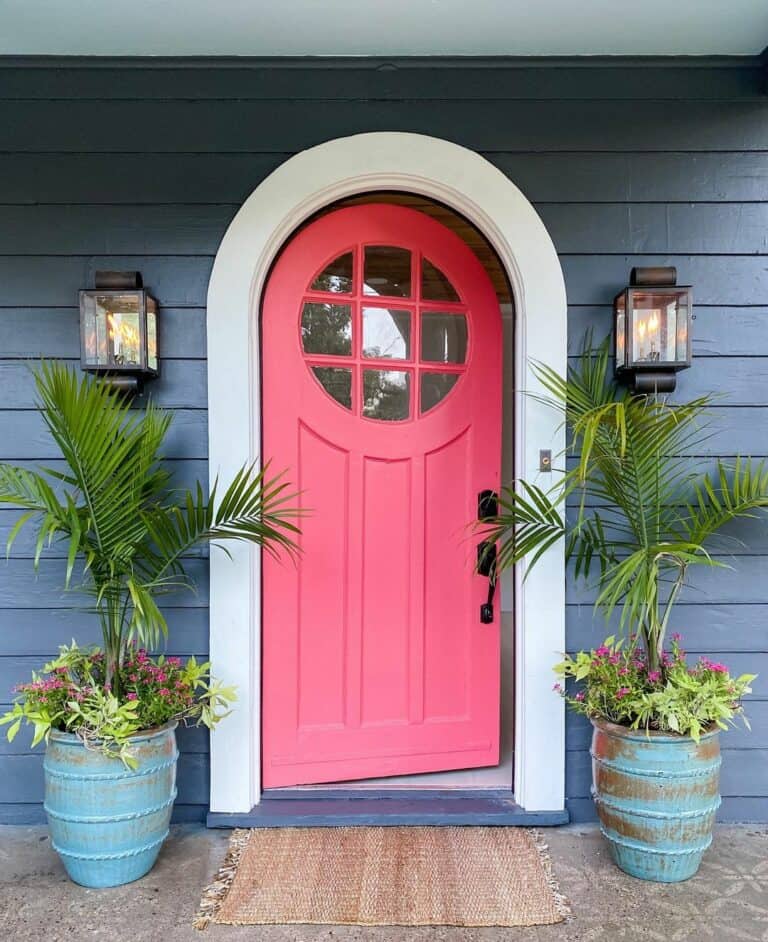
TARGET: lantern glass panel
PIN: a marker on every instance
(659, 327)
(621, 332)
(151, 333)
(112, 330)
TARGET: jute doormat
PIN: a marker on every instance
(380, 876)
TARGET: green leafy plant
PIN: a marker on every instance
(617, 685)
(73, 695)
(641, 515)
(128, 532)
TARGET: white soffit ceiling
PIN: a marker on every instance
(382, 27)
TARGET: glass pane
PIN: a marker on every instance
(682, 328)
(336, 381)
(434, 285)
(621, 329)
(151, 333)
(336, 277)
(387, 271)
(434, 387)
(111, 331)
(386, 333)
(327, 328)
(443, 337)
(659, 322)
(94, 331)
(386, 394)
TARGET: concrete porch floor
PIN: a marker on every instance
(728, 899)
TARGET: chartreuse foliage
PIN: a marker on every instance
(72, 695)
(617, 685)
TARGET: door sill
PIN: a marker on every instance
(339, 808)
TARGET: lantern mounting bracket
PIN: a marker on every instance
(118, 281)
(663, 276)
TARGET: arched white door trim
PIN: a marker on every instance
(302, 185)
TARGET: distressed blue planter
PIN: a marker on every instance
(656, 796)
(109, 822)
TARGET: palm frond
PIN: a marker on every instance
(254, 509)
(637, 506)
(725, 496)
(527, 524)
(115, 506)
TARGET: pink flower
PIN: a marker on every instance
(602, 651)
(131, 696)
(677, 636)
(623, 671)
(557, 687)
(622, 692)
(718, 668)
(654, 676)
(579, 696)
(133, 678)
(160, 676)
(164, 692)
(614, 659)
(173, 662)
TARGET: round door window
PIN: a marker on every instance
(384, 335)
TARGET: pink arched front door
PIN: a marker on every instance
(382, 398)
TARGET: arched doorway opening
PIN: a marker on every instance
(305, 184)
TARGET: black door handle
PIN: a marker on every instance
(487, 507)
(486, 610)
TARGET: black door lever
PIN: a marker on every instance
(486, 611)
(487, 507)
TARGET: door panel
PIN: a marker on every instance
(385, 407)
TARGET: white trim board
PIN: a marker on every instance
(298, 188)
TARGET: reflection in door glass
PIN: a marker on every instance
(434, 285)
(326, 328)
(443, 337)
(434, 388)
(386, 395)
(387, 271)
(386, 333)
(337, 382)
(336, 277)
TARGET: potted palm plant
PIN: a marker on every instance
(108, 715)
(636, 516)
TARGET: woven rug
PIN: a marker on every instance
(380, 876)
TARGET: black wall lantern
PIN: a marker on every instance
(653, 329)
(118, 330)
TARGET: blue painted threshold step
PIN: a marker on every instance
(336, 807)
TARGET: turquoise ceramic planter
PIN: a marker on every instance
(108, 822)
(656, 797)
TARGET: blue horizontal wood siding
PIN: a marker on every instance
(142, 164)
